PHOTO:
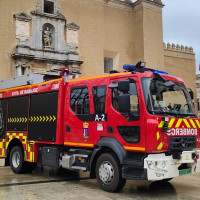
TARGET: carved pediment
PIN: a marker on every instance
(73, 26)
(59, 14)
(22, 16)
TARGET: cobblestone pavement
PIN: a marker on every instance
(51, 184)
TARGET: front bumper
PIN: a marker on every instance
(160, 166)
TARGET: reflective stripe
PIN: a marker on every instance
(178, 123)
(193, 124)
(161, 124)
(158, 135)
(134, 148)
(160, 146)
(78, 144)
(186, 123)
(171, 122)
(197, 122)
(96, 77)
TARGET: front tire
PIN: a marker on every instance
(16, 159)
(108, 173)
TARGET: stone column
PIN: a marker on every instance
(150, 32)
(22, 67)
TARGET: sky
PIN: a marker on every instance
(181, 24)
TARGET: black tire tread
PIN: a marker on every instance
(118, 184)
(20, 168)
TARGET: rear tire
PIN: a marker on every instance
(16, 159)
(108, 173)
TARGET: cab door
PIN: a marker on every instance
(128, 128)
(77, 117)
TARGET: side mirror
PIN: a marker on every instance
(191, 93)
(124, 103)
(124, 86)
(168, 84)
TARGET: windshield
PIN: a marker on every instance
(170, 100)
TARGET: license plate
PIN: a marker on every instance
(185, 171)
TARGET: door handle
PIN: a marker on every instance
(68, 129)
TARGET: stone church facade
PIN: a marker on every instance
(89, 36)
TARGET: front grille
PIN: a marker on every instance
(182, 143)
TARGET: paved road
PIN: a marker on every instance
(58, 185)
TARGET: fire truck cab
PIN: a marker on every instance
(139, 124)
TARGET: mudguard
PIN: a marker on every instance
(112, 144)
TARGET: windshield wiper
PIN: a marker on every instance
(172, 113)
(161, 112)
(186, 114)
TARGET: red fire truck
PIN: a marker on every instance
(139, 124)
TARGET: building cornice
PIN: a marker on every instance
(22, 16)
(156, 5)
(123, 5)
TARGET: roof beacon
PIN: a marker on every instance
(159, 72)
(131, 68)
(140, 67)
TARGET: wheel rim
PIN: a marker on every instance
(106, 172)
(16, 159)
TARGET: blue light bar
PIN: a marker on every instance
(159, 72)
(129, 67)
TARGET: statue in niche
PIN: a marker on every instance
(47, 37)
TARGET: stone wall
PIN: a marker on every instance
(179, 61)
(119, 29)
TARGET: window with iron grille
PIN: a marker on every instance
(49, 7)
(108, 64)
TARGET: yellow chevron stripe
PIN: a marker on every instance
(161, 124)
(197, 122)
(171, 122)
(186, 123)
(193, 124)
(178, 123)
(160, 146)
(158, 135)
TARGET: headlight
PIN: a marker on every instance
(163, 164)
(159, 175)
(153, 165)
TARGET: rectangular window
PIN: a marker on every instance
(48, 7)
(99, 99)
(79, 100)
(108, 64)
